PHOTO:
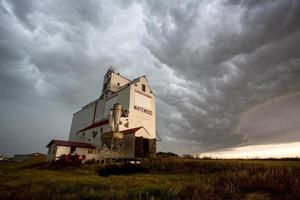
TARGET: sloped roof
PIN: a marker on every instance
(132, 130)
(71, 144)
(128, 131)
(121, 75)
(94, 125)
(131, 82)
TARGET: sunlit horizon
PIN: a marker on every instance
(284, 150)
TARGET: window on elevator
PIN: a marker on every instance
(143, 87)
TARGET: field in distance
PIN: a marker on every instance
(160, 178)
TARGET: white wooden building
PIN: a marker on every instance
(138, 125)
(56, 148)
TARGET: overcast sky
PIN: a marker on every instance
(226, 73)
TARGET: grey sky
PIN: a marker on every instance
(277, 119)
(208, 62)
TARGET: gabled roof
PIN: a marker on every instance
(132, 82)
(94, 125)
(71, 144)
(118, 74)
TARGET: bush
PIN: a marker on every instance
(121, 169)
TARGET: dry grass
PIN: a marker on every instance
(167, 178)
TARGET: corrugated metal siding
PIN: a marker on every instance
(144, 147)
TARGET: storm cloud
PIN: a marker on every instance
(207, 61)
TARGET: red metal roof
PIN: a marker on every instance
(94, 125)
(71, 144)
(129, 131)
(132, 130)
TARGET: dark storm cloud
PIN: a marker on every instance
(208, 61)
(232, 54)
(45, 45)
(45, 70)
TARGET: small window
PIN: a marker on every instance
(94, 134)
(90, 151)
(101, 130)
(143, 87)
(52, 149)
(73, 149)
(83, 134)
(118, 84)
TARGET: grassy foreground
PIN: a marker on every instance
(165, 178)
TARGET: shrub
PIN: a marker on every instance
(121, 169)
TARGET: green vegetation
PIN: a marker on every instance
(163, 178)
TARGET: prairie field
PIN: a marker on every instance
(161, 178)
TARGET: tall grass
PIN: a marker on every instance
(163, 178)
